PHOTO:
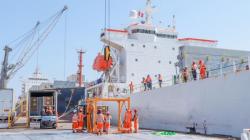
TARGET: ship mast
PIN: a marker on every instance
(148, 12)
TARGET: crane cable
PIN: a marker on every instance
(65, 46)
(36, 44)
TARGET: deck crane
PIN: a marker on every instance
(28, 45)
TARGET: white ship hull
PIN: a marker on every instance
(222, 102)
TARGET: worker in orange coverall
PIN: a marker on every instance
(80, 119)
(128, 120)
(203, 69)
(75, 122)
(136, 121)
(99, 122)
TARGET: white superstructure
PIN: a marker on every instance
(143, 49)
(34, 81)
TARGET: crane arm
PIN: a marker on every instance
(26, 56)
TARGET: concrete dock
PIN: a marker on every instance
(59, 134)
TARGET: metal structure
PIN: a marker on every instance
(80, 66)
(92, 111)
(30, 46)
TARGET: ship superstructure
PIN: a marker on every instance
(143, 49)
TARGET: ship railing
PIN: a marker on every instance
(212, 72)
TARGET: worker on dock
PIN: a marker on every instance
(144, 83)
(149, 82)
(136, 121)
(131, 87)
(81, 117)
(194, 72)
(107, 120)
(203, 69)
(160, 80)
(185, 74)
(128, 120)
(99, 122)
(75, 122)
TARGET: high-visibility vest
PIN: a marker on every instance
(160, 78)
(194, 66)
(100, 118)
(74, 118)
(149, 79)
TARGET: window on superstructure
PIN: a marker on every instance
(155, 47)
(173, 48)
(144, 46)
(136, 60)
(159, 61)
(170, 62)
(132, 45)
(132, 74)
(143, 31)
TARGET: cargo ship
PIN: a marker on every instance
(215, 105)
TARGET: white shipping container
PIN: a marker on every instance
(6, 103)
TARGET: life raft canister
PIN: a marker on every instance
(100, 64)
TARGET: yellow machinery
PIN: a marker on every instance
(92, 111)
(21, 112)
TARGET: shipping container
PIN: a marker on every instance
(6, 103)
(38, 100)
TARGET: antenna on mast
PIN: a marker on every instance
(174, 22)
(148, 12)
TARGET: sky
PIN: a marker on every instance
(227, 21)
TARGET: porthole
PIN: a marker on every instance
(170, 62)
(132, 45)
(136, 60)
(173, 48)
(159, 61)
(144, 46)
(155, 47)
(132, 74)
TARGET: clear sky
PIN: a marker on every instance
(227, 21)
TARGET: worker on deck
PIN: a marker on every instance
(136, 121)
(149, 82)
(144, 82)
(131, 87)
(185, 74)
(128, 120)
(107, 119)
(99, 122)
(160, 80)
(194, 72)
(247, 67)
(75, 122)
(81, 117)
(203, 69)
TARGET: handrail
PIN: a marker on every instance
(176, 79)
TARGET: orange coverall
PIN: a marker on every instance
(128, 119)
(203, 71)
(80, 120)
(75, 122)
